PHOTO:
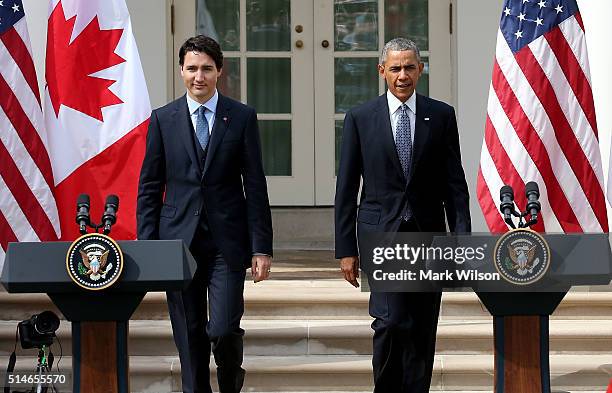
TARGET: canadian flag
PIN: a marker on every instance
(96, 109)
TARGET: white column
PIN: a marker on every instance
(475, 33)
(597, 27)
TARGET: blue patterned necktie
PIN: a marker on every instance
(403, 144)
(403, 141)
(202, 127)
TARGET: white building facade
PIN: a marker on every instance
(303, 63)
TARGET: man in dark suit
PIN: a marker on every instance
(405, 148)
(202, 181)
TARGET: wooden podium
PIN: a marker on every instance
(521, 311)
(520, 318)
(100, 361)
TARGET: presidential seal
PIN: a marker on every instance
(521, 256)
(94, 261)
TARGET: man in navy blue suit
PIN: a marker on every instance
(202, 181)
(405, 149)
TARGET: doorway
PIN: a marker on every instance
(302, 64)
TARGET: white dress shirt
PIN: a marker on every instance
(395, 110)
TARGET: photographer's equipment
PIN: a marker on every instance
(39, 330)
(36, 332)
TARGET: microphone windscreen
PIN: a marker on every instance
(532, 187)
(83, 199)
(113, 200)
(506, 191)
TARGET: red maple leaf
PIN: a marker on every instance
(70, 65)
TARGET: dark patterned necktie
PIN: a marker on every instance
(403, 140)
(403, 144)
(202, 127)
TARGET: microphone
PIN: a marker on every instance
(533, 205)
(109, 218)
(506, 195)
(82, 217)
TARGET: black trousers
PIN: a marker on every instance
(220, 290)
(404, 342)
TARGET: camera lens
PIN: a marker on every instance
(46, 322)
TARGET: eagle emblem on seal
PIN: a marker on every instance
(96, 264)
(523, 259)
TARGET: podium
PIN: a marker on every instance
(100, 361)
(520, 308)
(521, 318)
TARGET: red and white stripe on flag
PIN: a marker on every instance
(27, 207)
(96, 109)
(540, 123)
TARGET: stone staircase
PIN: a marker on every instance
(308, 331)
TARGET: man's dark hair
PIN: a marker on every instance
(202, 44)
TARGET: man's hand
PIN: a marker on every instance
(350, 269)
(260, 267)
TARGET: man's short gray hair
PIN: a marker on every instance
(399, 44)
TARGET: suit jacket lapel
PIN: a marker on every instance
(384, 126)
(421, 129)
(222, 120)
(182, 119)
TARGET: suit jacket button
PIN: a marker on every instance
(197, 213)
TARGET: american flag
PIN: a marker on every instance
(540, 122)
(28, 211)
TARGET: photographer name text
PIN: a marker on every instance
(430, 275)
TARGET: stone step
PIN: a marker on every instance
(353, 373)
(344, 337)
(304, 228)
(318, 299)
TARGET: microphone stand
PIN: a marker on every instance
(522, 223)
(95, 227)
(520, 339)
